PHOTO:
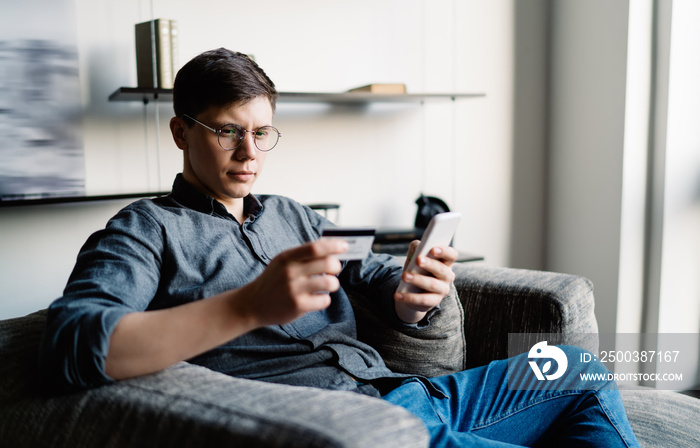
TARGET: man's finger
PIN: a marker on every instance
(321, 248)
(446, 254)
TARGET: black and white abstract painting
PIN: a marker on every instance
(41, 151)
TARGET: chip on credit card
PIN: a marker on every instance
(359, 241)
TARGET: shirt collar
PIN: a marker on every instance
(189, 196)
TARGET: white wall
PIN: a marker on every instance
(530, 114)
(587, 122)
(374, 161)
(38, 249)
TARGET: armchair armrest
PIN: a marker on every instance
(499, 301)
(186, 406)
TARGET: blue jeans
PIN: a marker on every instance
(481, 411)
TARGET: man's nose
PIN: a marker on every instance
(247, 149)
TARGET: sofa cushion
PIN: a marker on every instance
(19, 341)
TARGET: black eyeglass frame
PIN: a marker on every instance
(240, 140)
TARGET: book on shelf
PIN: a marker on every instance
(157, 54)
(174, 48)
(381, 88)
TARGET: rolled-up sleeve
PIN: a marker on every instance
(117, 272)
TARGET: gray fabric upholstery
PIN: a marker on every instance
(663, 419)
(188, 406)
(19, 339)
(499, 301)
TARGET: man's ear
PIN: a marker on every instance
(178, 129)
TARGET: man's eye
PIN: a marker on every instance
(229, 133)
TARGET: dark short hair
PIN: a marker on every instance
(218, 78)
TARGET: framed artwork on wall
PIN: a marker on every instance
(41, 150)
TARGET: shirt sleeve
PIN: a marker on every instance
(117, 272)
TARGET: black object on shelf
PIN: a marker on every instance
(428, 206)
(396, 241)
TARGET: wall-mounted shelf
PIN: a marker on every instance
(365, 97)
(141, 94)
(43, 200)
(145, 95)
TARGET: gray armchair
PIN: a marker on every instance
(190, 406)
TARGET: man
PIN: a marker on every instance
(244, 285)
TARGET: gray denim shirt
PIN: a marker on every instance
(163, 252)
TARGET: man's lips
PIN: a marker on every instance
(241, 175)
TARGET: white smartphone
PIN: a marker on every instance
(439, 232)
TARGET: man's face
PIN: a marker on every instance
(225, 175)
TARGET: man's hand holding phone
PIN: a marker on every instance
(428, 271)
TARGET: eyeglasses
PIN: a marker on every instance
(232, 135)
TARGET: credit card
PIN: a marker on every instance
(359, 241)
